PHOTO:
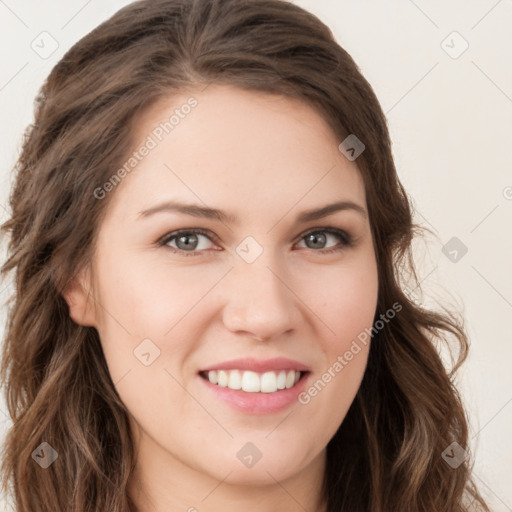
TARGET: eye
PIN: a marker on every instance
(314, 238)
(187, 241)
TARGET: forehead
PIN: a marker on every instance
(250, 149)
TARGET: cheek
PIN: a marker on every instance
(146, 331)
(344, 298)
(149, 297)
(141, 301)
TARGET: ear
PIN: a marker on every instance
(78, 295)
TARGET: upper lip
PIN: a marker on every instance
(258, 365)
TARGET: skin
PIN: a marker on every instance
(265, 158)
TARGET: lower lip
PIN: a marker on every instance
(258, 403)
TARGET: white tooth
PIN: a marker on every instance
(250, 382)
(290, 379)
(268, 382)
(235, 380)
(281, 380)
(223, 378)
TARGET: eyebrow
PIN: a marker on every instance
(197, 210)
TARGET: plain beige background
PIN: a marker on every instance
(441, 70)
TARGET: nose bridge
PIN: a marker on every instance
(259, 300)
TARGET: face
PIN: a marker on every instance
(259, 281)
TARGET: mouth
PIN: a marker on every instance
(254, 382)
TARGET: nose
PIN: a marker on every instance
(259, 302)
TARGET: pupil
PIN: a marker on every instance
(314, 238)
(187, 244)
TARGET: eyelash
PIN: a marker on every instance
(346, 239)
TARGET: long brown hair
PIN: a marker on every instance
(387, 454)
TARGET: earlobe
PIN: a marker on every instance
(77, 294)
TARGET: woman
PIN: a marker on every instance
(178, 340)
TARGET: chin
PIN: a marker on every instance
(265, 471)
